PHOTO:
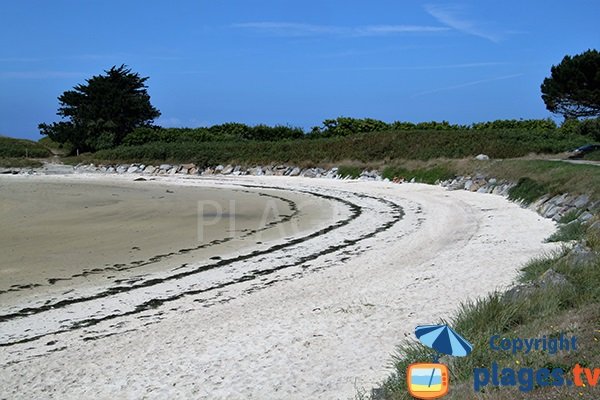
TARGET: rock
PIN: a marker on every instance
(585, 217)
(536, 205)
(594, 208)
(519, 292)
(280, 170)
(552, 278)
(581, 201)
(482, 157)
(149, 169)
(193, 171)
(332, 173)
(132, 169)
(295, 172)
(121, 169)
(111, 170)
(140, 179)
(468, 184)
(267, 171)
(594, 228)
(188, 166)
(219, 168)
(551, 212)
(497, 190)
(493, 181)
(580, 255)
(309, 173)
(256, 171)
(227, 170)
(208, 171)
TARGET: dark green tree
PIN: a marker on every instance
(573, 89)
(101, 112)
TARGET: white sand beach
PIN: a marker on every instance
(310, 307)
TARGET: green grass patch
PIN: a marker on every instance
(569, 217)
(537, 266)
(555, 176)
(527, 191)
(574, 230)
(19, 163)
(349, 171)
(14, 148)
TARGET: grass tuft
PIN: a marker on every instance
(349, 171)
(574, 230)
(527, 191)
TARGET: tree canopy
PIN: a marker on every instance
(101, 112)
(573, 89)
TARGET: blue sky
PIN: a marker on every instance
(293, 62)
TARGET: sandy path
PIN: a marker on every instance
(298, 327)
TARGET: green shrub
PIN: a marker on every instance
(363, 148)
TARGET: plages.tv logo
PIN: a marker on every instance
(432, 380)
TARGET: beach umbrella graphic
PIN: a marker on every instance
(443, 339)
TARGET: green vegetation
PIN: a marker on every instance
(573, 230)
(230, 132)
(101, 112)
(349, 171)
(344, 126)
(14, 148)
(573, 89)
(538, 308)
(365, 148)
(527, 191)
(19, 163)
(593, 156)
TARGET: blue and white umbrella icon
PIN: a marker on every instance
(443, 339)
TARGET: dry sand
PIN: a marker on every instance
(312, 312)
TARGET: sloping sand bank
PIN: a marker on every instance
(313, 315)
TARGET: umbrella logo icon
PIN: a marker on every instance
(432, 380)
(443, 339)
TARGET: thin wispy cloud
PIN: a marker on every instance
(467, 84)
(299, 29)
(455, 18)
